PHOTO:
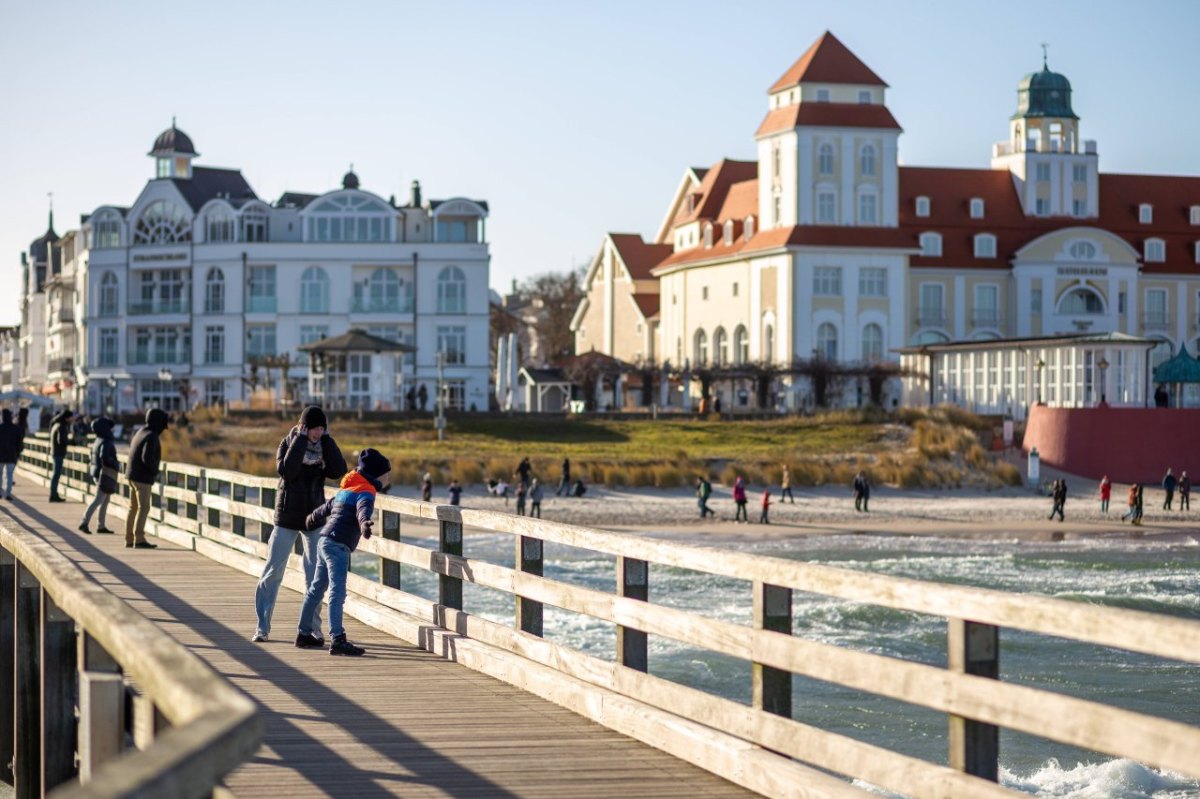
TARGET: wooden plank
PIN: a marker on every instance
(8, 598)
(974, 746)
(101, 720)
(450, 543)
(771, 689)
(58, 648)
(633, 583)
(27, 765)
(529, 559)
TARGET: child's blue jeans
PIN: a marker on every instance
(333, 563)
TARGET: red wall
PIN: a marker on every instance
(1127, 444)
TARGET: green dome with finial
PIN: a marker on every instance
(1044, 94)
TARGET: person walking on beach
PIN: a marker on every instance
(341, 520)
(739, 499)
(1105, 493)
(1141, 504)
(522, 491)
(60, 439)
(564, 484)
(105, 468)
(1185, 492)
(306, 456)
(703, 492)
(523, 470)
(862, 492)
(1169, 483)
(11, 443)
(455, 491)
(766, 505)
(427, 488)
(785, 485)
(535, 499)
(1059, 495)
(145, 456)
(1132, 501)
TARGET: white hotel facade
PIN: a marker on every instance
(170, 299)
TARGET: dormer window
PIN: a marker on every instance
(931, 245)
(749, 228)
(1146, 213)
(1194, 215)
(707, 234)
(1155, 251)
(922, 206)
(822, 95)
(864, 97)
(976, 208)
(985, 246)
(728, 237)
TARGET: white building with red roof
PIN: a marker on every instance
(826, 247)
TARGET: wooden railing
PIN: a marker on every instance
(75, 648)
(227, 516)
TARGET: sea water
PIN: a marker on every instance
(1139, 574)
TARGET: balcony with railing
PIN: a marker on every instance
(379, 305)
(261, 304)
(1156, 320)
(985, 317)
(159, 356)
(178, 305)
(931, 317)
(1047, 145)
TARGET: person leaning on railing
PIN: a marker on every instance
(145, 456)
(307, 456)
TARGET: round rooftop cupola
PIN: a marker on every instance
(350, 180)
(173, 141)
(1044, 94)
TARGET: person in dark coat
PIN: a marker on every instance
(145, 456)
(523, 470)
(105, 468)
(11, 443)
(564, 485)
(1059, 495)
(423, 397)
(306, 457)
(60, 439)
(1169, 483)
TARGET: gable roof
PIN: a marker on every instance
(827, 61)
(710, 196)
(647, 303)
(827, 115)
(209, 182)
(638, 256)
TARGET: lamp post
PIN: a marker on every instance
(1102, 364)
(1040, 366)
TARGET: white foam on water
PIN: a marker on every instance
(1110, 779)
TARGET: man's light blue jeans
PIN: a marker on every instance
(283, 541)
(331, 573)
(7, 470)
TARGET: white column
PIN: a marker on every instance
(851, 349)
(889, 199)
(846, 190)
(960, 306)
(898, 316)
(803, 178)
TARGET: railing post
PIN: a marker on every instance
(389, 570)
(529, 560)
(266, 499)
(450, 542)
(772, 691)
(633, 582)
(101, 707)
(27, 747)
(58, 695)
(974, 746)
(148, 721)
(8, 618)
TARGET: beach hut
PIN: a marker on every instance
(357, 370)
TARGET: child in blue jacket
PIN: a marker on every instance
(345, 517)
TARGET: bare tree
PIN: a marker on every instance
(559, 294)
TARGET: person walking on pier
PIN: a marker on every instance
(60, 439)
(105, 468)
(564, 485)
(1169, 483)
(535, 499)
(766, 506)
(1105, 493)
(703, 492)
(306, 456)
(145, 455)
(342, 520)
(1059, 495)
(785, 485)
(1185, 492)
(739, 499)
(11, 443)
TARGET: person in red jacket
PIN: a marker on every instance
(1105, 493)
(739, 499)
(766, 505)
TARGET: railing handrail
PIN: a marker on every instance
(215, 728)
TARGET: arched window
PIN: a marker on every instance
(314, 291)
(700, 348)
(452, 291)
(768, 348)
(254, 224)
(827, 342)
(741, 345)
(930, 337)
(985, 246)
(866, 160)
(349, 217)
(720, 347)
(219, 224)
(380, 293)
(931, 244)
(1081, 301)
(106, 230)
(1082, 250)
(872, 343)
(825, 159)
(110, 299)
(214, 291)
(162, 222)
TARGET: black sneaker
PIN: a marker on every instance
(104, 531)
(341, 646)
(144, 545)
(57, 499)
(306, 641)
(83, 528)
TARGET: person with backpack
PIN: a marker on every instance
(105, 469)
(60, 439)
(145, 456)
(703, 492)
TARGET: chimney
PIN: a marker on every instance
(416, 194)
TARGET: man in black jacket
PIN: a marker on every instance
(60, 439)
(145, 455)
(10, 451)
(306, 457)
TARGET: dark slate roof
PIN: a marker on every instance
(1183, 368)
(350, 180)
(172, 140)
(294, 199)
(208, 182)
(39, 247)
(433, 204)
(356, 340)
(544, 376)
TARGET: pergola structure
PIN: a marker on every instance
(1178, 373)
(357, 370)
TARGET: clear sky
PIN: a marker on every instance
(570, 118)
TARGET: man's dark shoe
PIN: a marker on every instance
(341, 646)
(57, 498)
(145, 545)
(306, 641)
(129, 545)
(104, 531)
(83, 528)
